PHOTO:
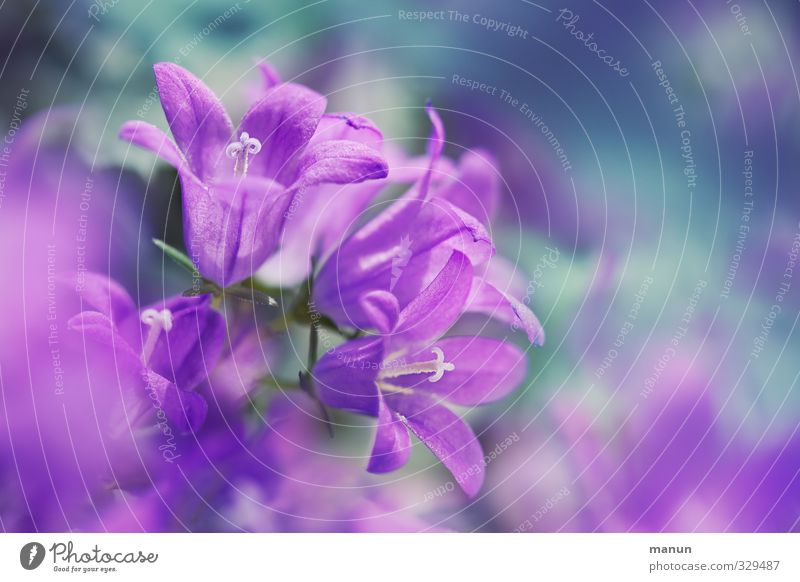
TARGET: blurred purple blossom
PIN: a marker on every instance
(161, 353)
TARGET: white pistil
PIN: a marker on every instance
(385, 387)
(436, 368)
(242, 150)
(157, 320)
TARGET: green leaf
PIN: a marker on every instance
(250, 294)
(253, 283)
(176, 255)
(204, 288)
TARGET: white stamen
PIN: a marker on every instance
(157, 320)
(441, 365)
(233, 150)
(249, 146)
(436, 368)
(386, 387)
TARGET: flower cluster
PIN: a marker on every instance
(282, 206)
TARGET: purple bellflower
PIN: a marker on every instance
(55, 454)
(319, 218)
(401, 376)
(161, 353)
(404, 248)
(238, 185)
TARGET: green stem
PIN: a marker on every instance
(313, 330)
(313, 345)
(281, 383)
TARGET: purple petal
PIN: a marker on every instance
(507, 275)
(244, 365)
(407, 169)
(97, 327)
(198, 120)
(456, 231)
(269, 74)
(392, 445)
(321, 216)
(401, 250)
(485, 298)
(338, 162)
(365, 261)
(437, 138)
(475, 188)
(485, 370)
(284, 121)
(150, 137)
(232, 227)
(318, 220)
(435, 149)
(106, 296)
(345, 376)
(184, 411)
(368, 259)
(382, 309)
(188, 353)
(438, 306)
(348, 126)
(446, 435)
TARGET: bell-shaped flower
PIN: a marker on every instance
(320, 218)
(403, 375)
(238, 185)
(162, 353)
(403, 248)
